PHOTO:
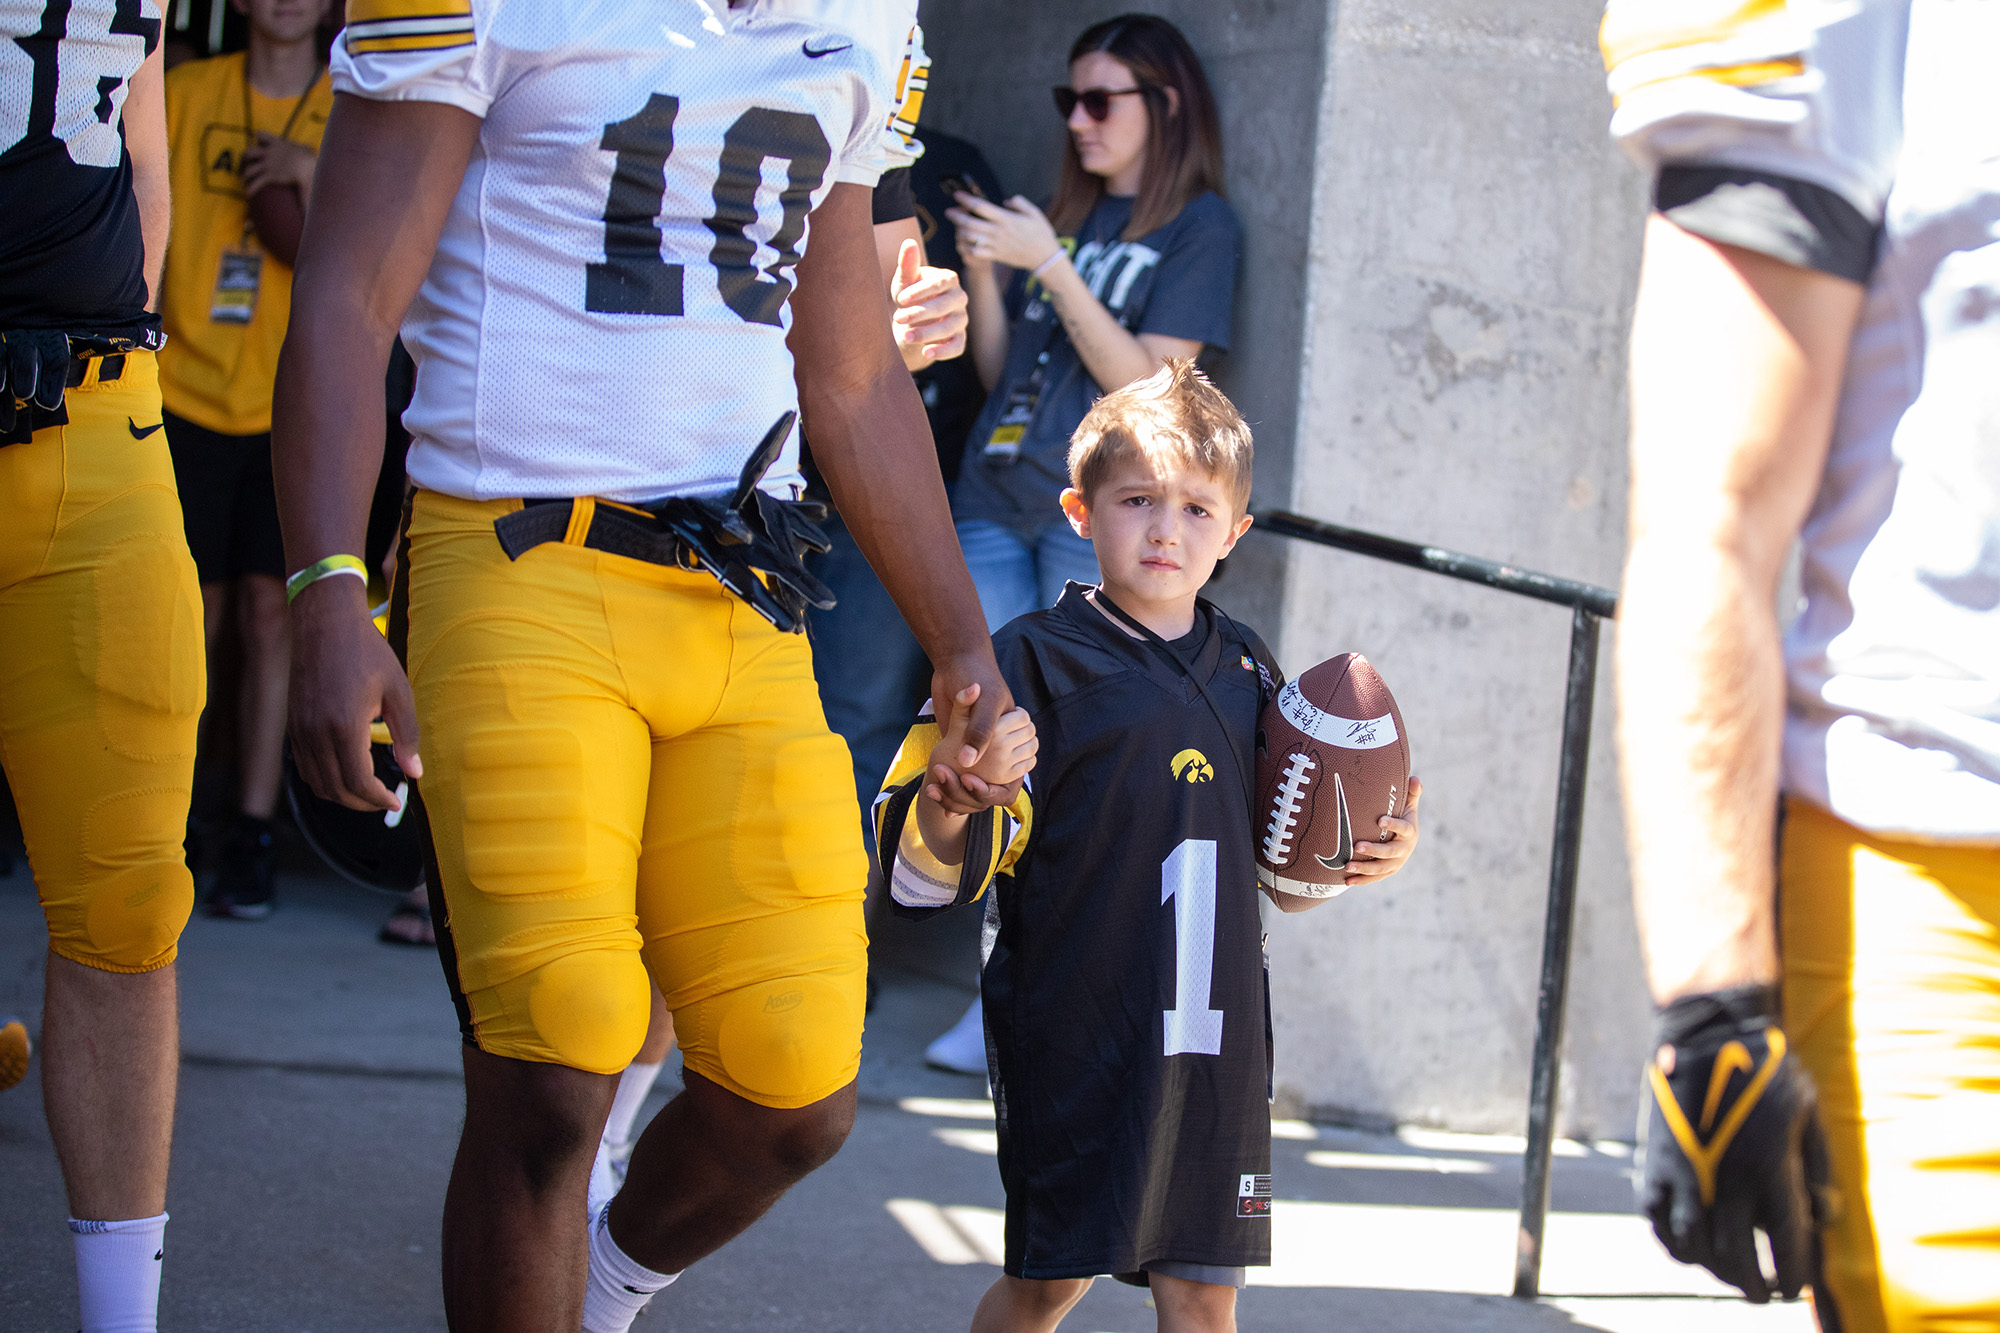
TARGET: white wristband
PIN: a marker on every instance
(1047, 264)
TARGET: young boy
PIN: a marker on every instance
(1127, 1029)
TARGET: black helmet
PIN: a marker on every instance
(376, 849)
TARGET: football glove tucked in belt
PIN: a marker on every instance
(735, 538)
(36, 365)
(1733, 1144)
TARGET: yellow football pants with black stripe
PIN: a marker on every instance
(101, 671)
(1892, 999)
(627, 773)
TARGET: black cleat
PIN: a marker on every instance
(244, 882)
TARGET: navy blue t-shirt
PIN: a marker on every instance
(1178, 281)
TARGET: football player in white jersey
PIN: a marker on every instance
(622, 242)
(1814, 362)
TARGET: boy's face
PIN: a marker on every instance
(282, 20)
(1158, 534)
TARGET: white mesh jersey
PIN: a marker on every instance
(607, 309)
(1894, 665)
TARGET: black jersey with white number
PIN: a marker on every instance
(1124, 988)
(71, 252)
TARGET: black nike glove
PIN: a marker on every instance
(34, 371)
(1733, 1144)
(753, 533)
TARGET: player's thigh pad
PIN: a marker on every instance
(535, 774)
(102, 677)
(1892, 996)
(752, 875)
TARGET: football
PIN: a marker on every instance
(280, 219)
(1332, 759)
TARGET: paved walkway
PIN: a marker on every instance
(320, 1104)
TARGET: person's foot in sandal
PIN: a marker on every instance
(410, 923)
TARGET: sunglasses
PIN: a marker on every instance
(1096, 102)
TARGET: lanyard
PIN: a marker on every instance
(249, 120)
(1187, 669)
(250, 125)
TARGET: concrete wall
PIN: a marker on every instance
(1440, 246)
(1473, 247)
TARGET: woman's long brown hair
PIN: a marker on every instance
(1183, 143)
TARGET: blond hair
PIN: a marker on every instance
(1173, 416)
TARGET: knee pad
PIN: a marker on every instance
(133, 894)
(788, 1042)
(587, 1010)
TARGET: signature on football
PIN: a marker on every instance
(1363, 733)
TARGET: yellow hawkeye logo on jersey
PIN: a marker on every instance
(1192, 766)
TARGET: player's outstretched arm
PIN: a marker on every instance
(1736, 368)
(873, 444)
(386, 177)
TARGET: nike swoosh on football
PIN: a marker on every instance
(807, 47)
(137, 432)
(1346, 847)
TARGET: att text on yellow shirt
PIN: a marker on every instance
(218, 373)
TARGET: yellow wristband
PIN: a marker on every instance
(324, 569)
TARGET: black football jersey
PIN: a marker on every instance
(72, 256)
(1124, 986)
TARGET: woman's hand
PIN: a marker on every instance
(1375, 861)
(1016, 233)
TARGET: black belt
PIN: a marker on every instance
(615, 531)
(109, 369)
(753, 543)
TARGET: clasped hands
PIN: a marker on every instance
(995, 777)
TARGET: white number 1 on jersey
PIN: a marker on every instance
(1188, 877)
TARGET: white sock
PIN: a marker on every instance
(633, 1085)
(118, 1273)
(619, 1285)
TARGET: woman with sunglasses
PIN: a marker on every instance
(1134, 262)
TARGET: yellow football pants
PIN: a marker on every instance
(627, 771)
(101, 673)
(1892, 998)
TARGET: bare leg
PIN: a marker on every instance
(712, 1163)
(214, 615)
(1193, 1307)
(659, 1033)
(110, 1055)
(1023, 1305)
(515, 1248)
(267, 665)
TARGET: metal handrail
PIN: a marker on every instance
(1600, 602)
(1588, 605)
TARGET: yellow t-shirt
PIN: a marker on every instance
(218, 372)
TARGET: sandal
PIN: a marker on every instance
(409, 924)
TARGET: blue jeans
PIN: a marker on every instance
(872, 673)
(1017, 572)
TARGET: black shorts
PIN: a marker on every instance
(227, 500)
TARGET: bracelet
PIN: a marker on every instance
(1047, 264)
(324, 569)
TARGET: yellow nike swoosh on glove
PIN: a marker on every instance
(1705, 1158)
